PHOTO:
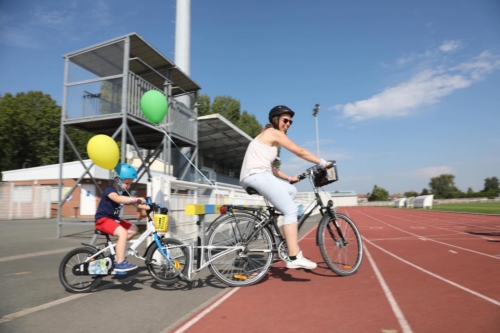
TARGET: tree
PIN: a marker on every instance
(30, 132)
(425, 192)
(491, 184)
(443, 186)
(411, 194)
(204, 105)
(228, 107)
(249, 124)
(379, 194)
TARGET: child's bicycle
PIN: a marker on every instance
(83, 268)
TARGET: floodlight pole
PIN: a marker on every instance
(315, 114)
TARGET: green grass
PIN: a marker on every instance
(474, 207)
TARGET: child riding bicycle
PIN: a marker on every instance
(107, 217)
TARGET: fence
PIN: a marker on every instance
(184, 226)
(24, 202)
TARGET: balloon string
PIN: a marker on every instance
(187, 158)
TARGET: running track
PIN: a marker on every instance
(422, 272)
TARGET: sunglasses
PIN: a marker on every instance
(286, 120)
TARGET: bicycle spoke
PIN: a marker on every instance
(342, 251)
(251, 255)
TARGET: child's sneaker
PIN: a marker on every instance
(301, 262)
(125, 266)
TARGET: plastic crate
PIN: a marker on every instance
(161, 222)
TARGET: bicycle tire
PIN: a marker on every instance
(342, 259)
(159, 268)
(86, 282)
(237, 268)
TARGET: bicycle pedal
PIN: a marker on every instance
(118, 273)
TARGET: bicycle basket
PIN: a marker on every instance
(324, 177)
(161, 222)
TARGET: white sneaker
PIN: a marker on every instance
(301, 262)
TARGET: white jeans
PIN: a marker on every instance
(279, 193)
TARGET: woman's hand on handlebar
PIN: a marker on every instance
(295, 179)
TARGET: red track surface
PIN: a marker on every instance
(422, 272)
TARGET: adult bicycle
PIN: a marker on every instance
(259, 238)
(82, 269)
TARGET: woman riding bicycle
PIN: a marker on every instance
(258, 172)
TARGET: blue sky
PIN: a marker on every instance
(408, 90)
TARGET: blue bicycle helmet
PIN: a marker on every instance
(125, 171)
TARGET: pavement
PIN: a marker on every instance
(33, 299)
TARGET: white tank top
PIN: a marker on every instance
(258, 158)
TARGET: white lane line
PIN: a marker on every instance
(206, 311)
(491, 300)
(45, 306)
(35, 254)
(25, 312)
(202, 314)
(452, 251)
(388, 294)
(429, 239)
(447, 227)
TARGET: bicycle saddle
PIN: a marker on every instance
(251, 191)
(98, 232)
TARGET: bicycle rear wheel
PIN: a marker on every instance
(159, 267)
(343, 257)
(78, 283)
(235, 267)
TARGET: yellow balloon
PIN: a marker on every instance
(103, 151)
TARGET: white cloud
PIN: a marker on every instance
(450, 45)
(433, 171)
(481, 65)
(54, 19)
(425, 88)
(18, 36)
(30, 28)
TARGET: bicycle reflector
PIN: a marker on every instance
(240, 277)
(223, 209)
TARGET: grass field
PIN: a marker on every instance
(475, 207)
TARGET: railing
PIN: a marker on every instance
(104, 98)
(182, 121)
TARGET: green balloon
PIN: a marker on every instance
(154, 106)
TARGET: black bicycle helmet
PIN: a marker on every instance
(279, 110)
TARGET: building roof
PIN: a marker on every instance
(106, 58)
(222, 141)
(349, 193)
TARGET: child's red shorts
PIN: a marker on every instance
(109, 225)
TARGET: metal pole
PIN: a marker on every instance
(315, 114)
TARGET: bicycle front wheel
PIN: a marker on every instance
(73, 282)
(160, 268)
(238, 256)
(342, 251)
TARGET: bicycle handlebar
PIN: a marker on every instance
(312, 169)
(153, 206)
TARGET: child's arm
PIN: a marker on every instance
(125, 200)
(120, 199)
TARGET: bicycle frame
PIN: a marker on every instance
(132, 250)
